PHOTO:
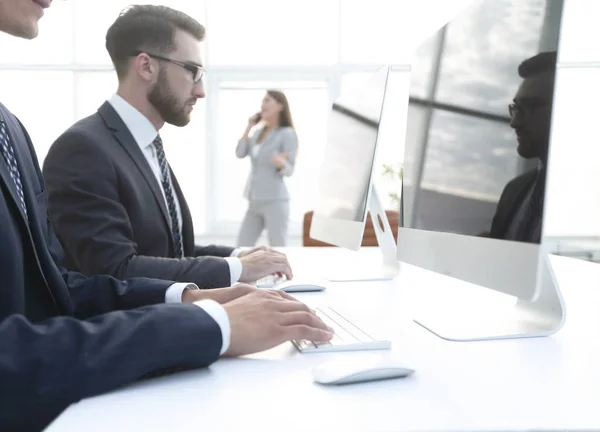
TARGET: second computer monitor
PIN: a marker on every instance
(346, 191)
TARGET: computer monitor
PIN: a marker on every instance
(346, 190)
(475, 167)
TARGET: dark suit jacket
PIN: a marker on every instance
(59, 339)
(109, 212)
(512, 196)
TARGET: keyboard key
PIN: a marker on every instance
(347, 335)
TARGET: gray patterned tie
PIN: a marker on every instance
(8, 153)
(166, 184)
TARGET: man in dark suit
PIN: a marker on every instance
(64, 336)
(519, 212)
(114, 201)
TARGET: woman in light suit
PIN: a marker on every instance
(272, 149)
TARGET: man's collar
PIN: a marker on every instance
(142, 130)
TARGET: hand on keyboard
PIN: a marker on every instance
(263, 261)
(264, 319)
(347, 335)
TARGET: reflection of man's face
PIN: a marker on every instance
(531, 115)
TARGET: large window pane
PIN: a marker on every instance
(54, 45)
(45, 110)
(272, 32)
(93, 89)
(579, 27)
(475, 76)
(309, 104)
(93, 18)
(573, 185)
(185, 148)
(388, 31)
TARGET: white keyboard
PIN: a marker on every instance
(347, 336)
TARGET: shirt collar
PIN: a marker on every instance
(142, 130)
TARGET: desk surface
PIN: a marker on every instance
(523, 384)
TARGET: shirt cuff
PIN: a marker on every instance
(235, 269)
(219, 314)
(236, 252)
(175, 291)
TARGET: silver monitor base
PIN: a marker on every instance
(473, 320)
(386, 267)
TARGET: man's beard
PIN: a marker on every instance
(165, 102)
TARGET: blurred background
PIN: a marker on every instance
(313, 50)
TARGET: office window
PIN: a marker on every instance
(272, 32)
(186, 150)
(388, 31)
(43, 103)
(92, 89)
(309, 103)
(93, 18)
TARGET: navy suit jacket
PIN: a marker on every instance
(109, 212)
(64, 336)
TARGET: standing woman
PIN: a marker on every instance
(272, 149)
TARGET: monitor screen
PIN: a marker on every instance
(352, 129)
(479, 120)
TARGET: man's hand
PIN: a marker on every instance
(264, 319)
(263, 261)
(256, 249)
(220, 295)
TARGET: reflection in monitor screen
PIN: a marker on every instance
(477, 137)
(351, 143)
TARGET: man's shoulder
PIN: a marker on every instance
(524, 178)
(516, 185)
(87, 133)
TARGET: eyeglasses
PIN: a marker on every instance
(524, 108)
(197, 71)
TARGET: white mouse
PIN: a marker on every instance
(298, 286)
(354, 371)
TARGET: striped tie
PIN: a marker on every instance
(166, 184)
(8, 153)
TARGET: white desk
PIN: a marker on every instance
(542, 383)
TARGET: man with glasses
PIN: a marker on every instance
(64, 336)
(114, 201)
(519, 213)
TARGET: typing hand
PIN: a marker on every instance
(264, 261)
(220, 295)
(264, 319)
(256, 249)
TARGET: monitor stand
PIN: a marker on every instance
(383, 264)
(471, 319)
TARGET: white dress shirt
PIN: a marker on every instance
(211, 307)
(144, 133)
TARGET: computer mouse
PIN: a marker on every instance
(355, 371)
(292, 286)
